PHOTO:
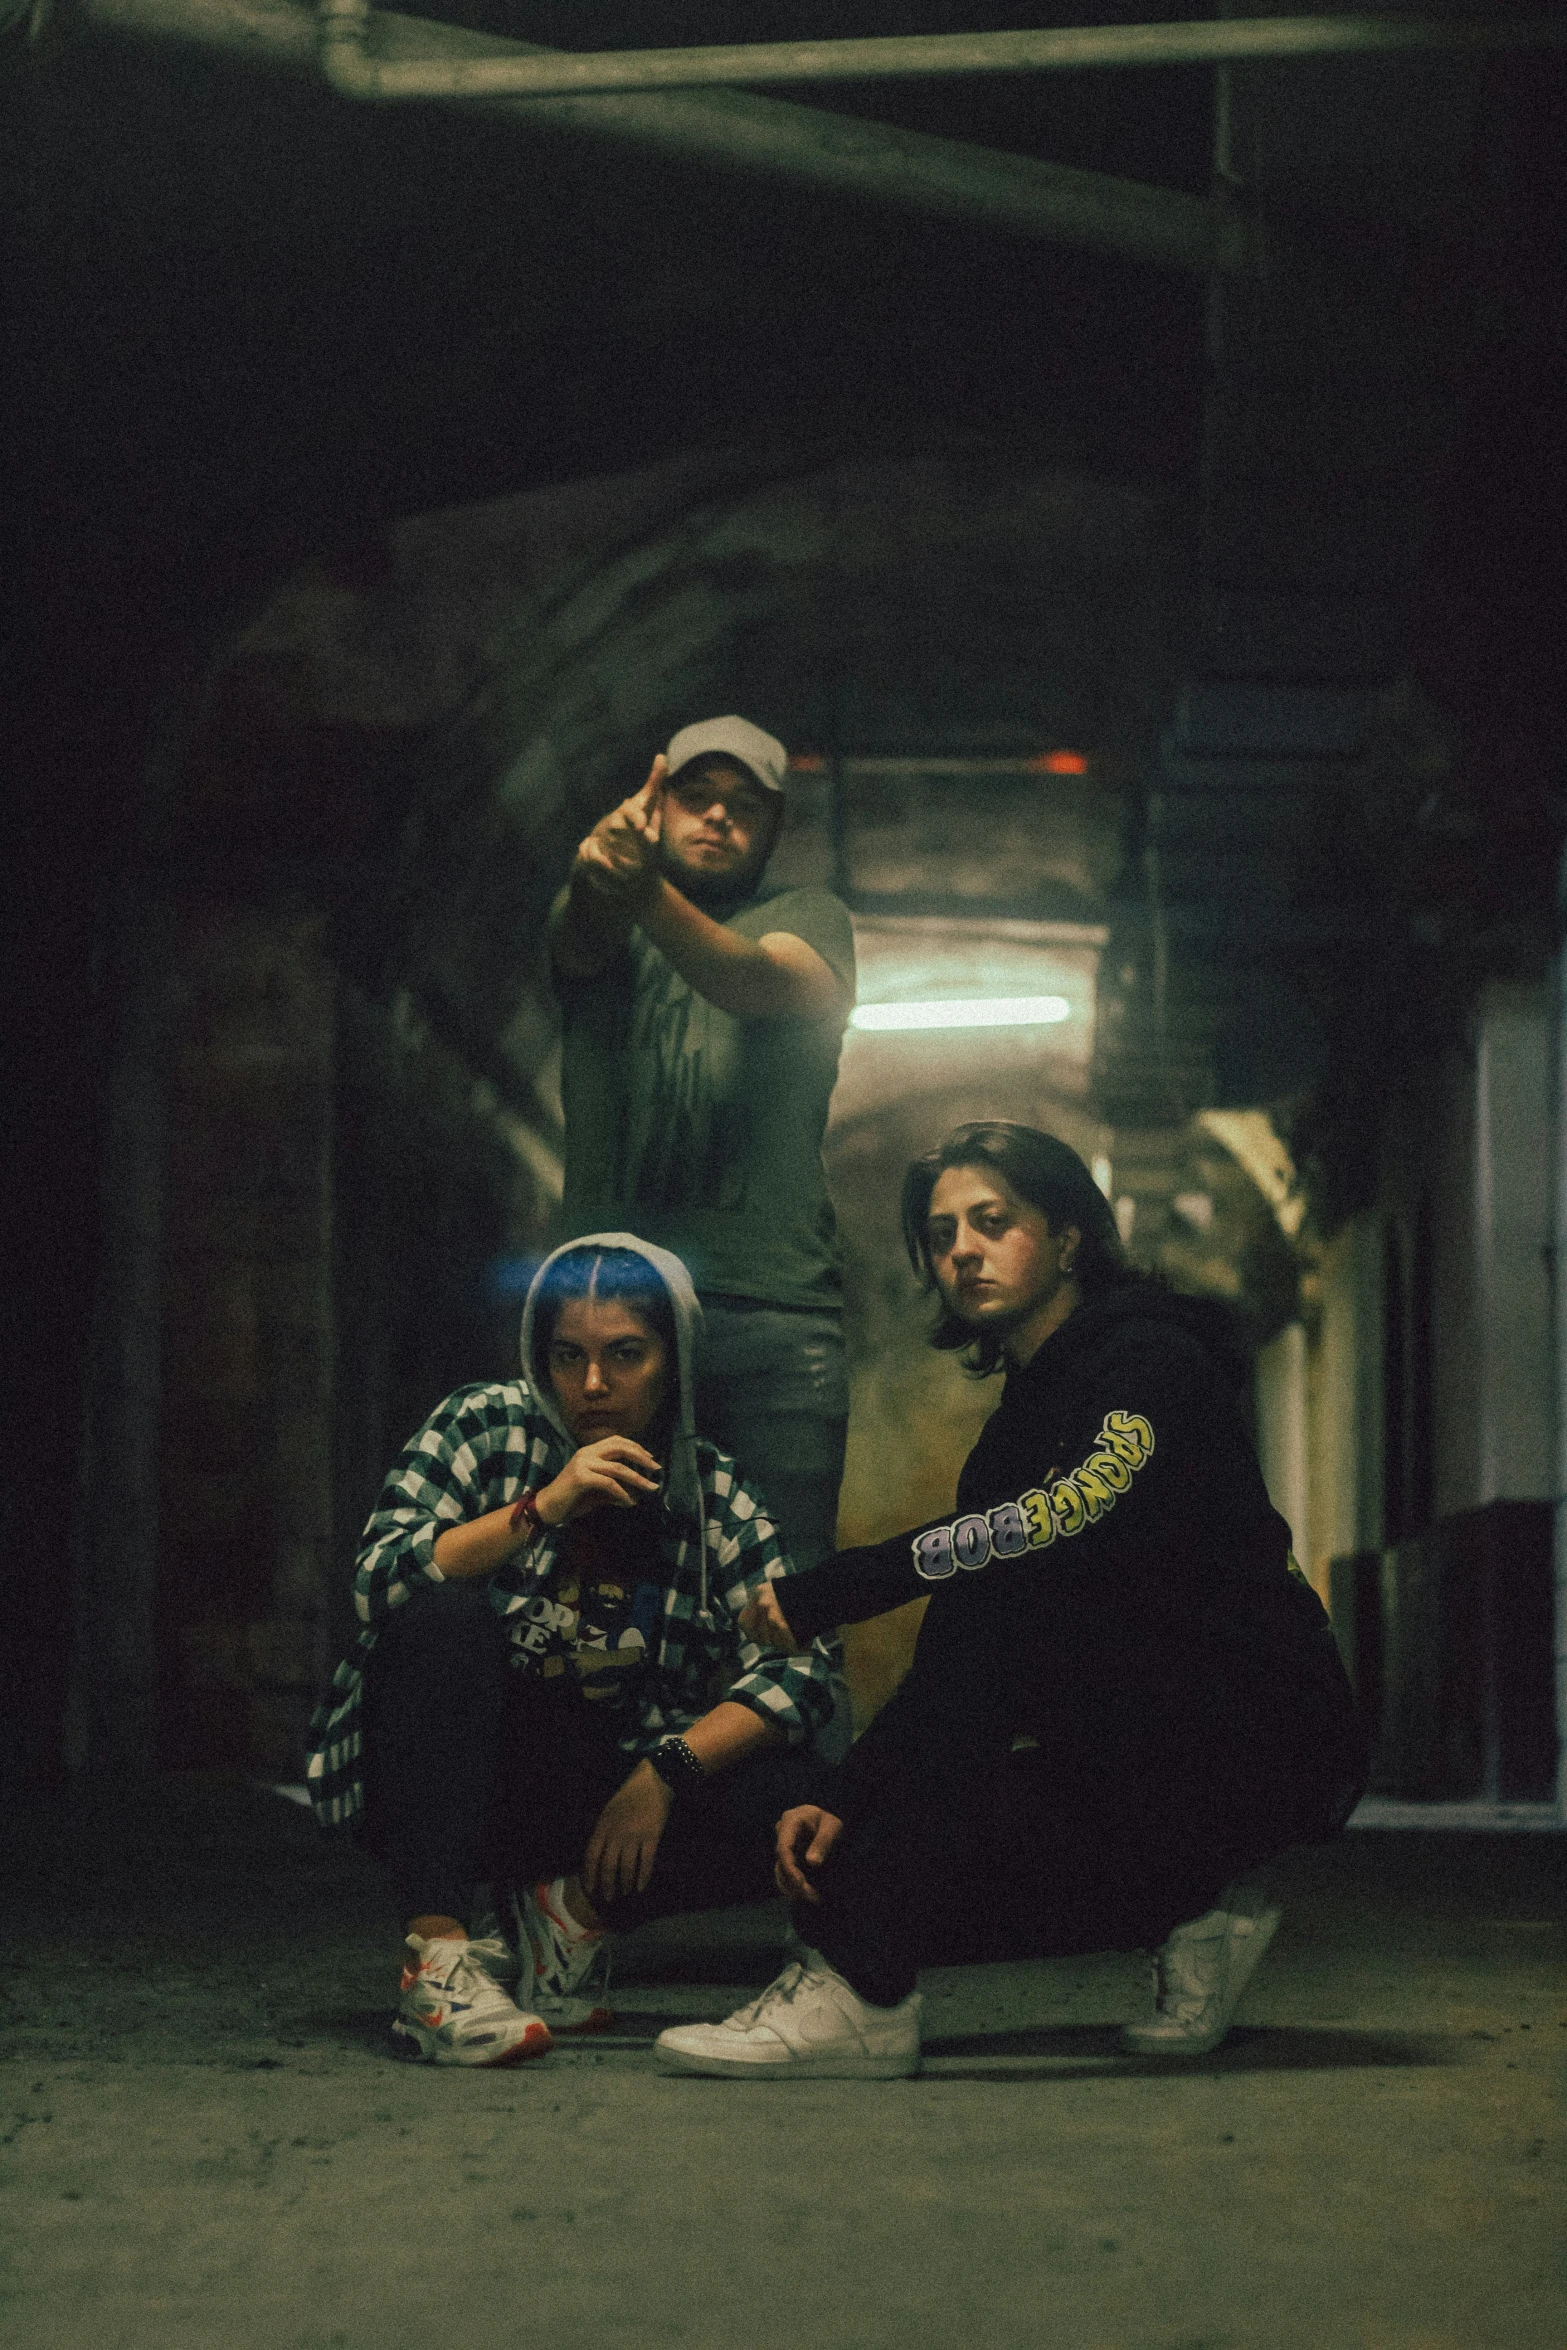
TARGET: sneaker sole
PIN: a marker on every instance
(797, 2068)
(572, 2027)
(415, 2045)
(1146, 2040)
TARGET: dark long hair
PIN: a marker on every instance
(1050, 1177)
(615, 1276)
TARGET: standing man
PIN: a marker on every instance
(704, 1016)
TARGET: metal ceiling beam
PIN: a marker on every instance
(350, 68)
(761, 137)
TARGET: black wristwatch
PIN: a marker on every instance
(677, 1766)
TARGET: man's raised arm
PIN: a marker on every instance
(611, 876)
(615, 883)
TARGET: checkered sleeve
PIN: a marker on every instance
(472, 1454)
(475, 1453)
(794, 1693)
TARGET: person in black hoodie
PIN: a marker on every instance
(1125, 1695)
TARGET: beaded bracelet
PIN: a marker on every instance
(676, 1765)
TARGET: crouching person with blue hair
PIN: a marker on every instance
(552, 1694)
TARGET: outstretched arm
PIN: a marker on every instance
(615, 883)
(1065, 1514)
(612, 876)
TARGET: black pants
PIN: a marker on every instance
(1122, 1825)
(995, 1867)
(475, 1771)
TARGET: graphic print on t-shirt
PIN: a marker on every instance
(594, 1624)
(701, 1130)
(687, 1142)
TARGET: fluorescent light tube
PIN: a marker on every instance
(1002, 1011)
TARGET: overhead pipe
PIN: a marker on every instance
(561, 73)
(912, 171)
(879, 163)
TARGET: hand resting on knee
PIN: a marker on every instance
(806, 1836)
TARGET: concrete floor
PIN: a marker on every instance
(206, 2144)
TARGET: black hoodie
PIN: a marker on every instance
(1113, 1548)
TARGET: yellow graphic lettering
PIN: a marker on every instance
(1097, 1495)
(1125, 1448)
(1067, 1504)
(1111, 1468)
(1128, 1434)
(1041, 1525)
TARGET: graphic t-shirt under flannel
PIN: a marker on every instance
(701, 1131)
(477, 1452)
(594, 1617)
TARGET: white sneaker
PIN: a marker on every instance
(453, 2011)
(565, 1973)
(809, 2025)
(1198, 1979)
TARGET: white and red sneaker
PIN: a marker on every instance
(453, 2011)
(565, 1967)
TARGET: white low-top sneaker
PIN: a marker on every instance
(809, 2025)
(453, 2011)
(1198, 1978)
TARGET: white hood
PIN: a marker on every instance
(682, 1484)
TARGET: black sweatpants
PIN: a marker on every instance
(1120, 1826)
(474, 1771)
(993, 1867)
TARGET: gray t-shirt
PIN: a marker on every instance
(701, 1131)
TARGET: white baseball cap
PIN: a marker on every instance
(762, 755)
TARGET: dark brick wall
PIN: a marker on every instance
(245, 1470)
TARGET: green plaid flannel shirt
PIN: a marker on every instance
(477, 1452)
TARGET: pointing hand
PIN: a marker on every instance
(619, 858)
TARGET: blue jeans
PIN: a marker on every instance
(772, 1387)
